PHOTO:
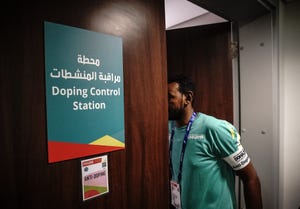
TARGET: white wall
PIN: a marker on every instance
(289, 52)
(270, 103)
(257, 107)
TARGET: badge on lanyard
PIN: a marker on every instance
(175, 194)
(175, 186)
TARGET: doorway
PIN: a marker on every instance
(198, 50)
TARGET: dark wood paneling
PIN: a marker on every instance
(138, 175)
(203, 52)
(8, 88)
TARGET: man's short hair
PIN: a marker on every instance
(185, 83)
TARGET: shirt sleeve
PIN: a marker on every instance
(227, 145)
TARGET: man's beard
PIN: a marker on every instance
(175, 114)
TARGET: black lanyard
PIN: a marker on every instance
(185, 139)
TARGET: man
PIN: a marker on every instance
(205, 154)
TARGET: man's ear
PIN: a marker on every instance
(190, 96)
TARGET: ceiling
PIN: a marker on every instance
(187, 13)
(183, 13)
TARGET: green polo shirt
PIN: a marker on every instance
(212, 152)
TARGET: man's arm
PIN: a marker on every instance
(252, 190)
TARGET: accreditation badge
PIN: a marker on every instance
(175, 194)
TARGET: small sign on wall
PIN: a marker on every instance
(84, 92)
(94, 177)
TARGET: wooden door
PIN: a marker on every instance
(138, 175)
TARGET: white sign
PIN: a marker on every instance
(94, 177)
